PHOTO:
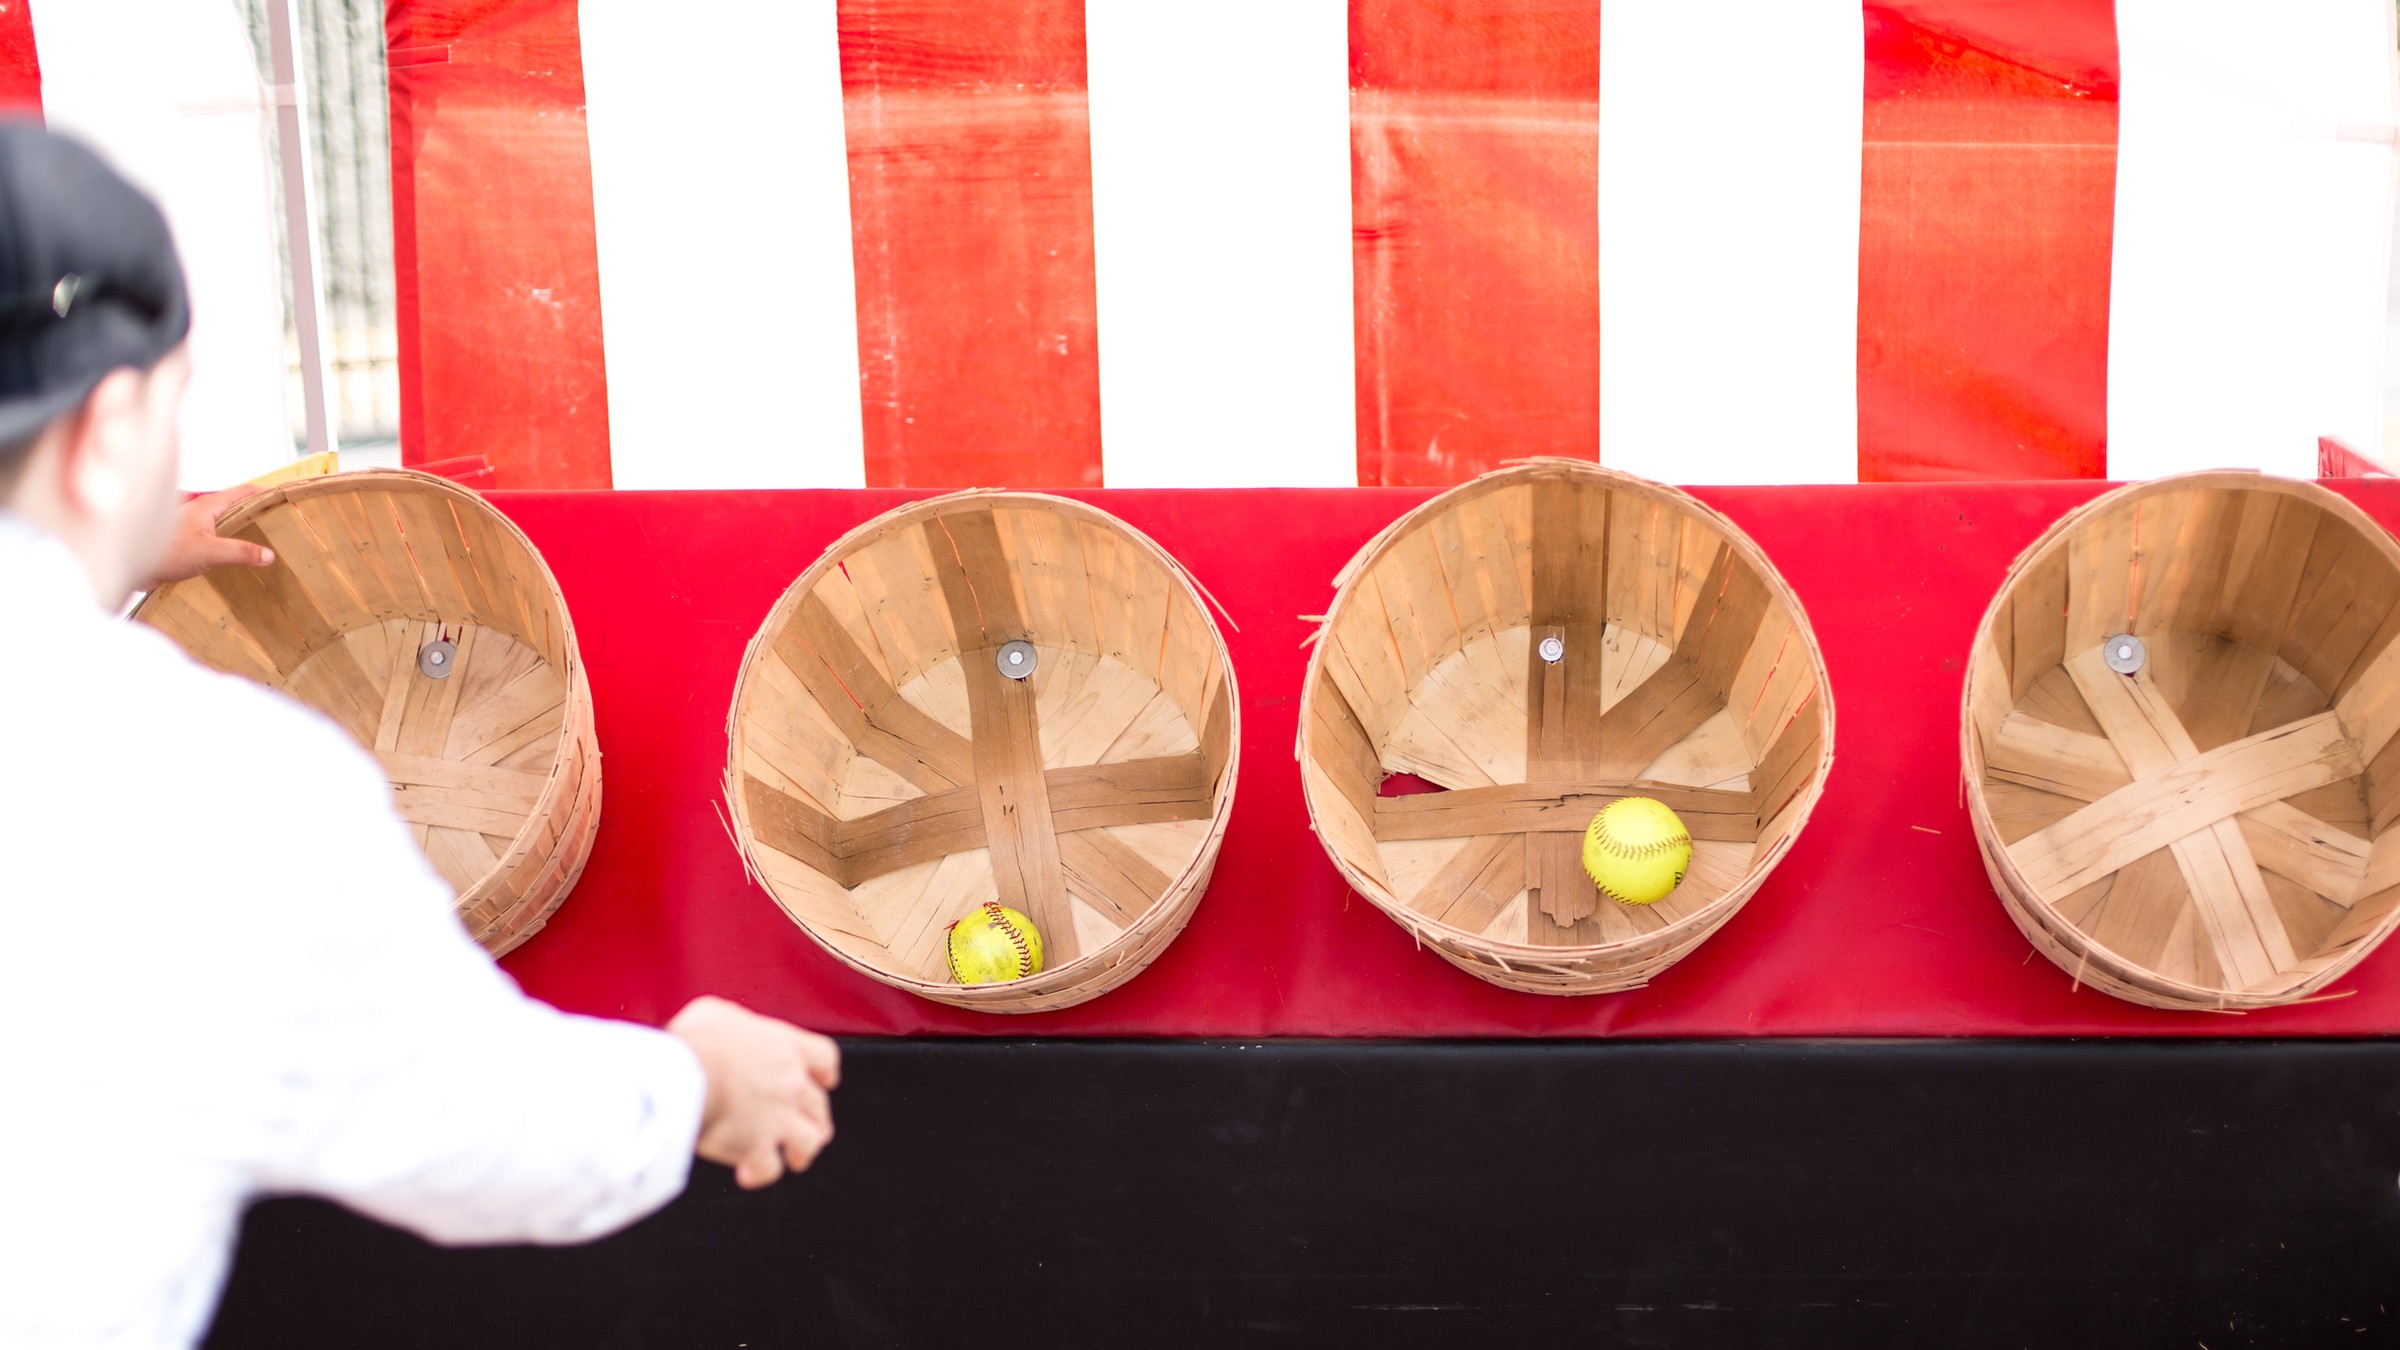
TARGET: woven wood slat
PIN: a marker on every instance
(1106, 871)
(1557, 808)
(884, 726)
(2191, 796)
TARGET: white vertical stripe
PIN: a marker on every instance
(2253, 218)
(1729, 181)
(1221, 221)
(721, 199)
(169, 92)
(2389, 450)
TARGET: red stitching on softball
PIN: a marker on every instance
(998, 916)
(1608, 839)
(1014, 934)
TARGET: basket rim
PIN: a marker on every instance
(579, 709)
(1091, 973)
(1693, 927)
(2121, 977)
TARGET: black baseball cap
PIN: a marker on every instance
(89, 280)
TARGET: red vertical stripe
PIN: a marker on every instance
(1475, 208)
(971, 225)
(1987, 203)
(20, 65)
(2336, 460)
(498, 278)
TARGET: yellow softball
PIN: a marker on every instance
(1636, 850)
(994, 943)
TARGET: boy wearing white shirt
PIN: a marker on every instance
(189, 1019)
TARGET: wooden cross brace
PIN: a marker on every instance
(1046, 828)
(2149, 786)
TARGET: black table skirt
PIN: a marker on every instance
(1065, 1194)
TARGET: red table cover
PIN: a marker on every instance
(1880, 922)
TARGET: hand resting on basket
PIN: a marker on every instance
(768, 1082)
(197, 547)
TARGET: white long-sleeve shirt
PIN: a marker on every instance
(225, 970)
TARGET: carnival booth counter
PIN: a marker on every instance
(1298, 1123)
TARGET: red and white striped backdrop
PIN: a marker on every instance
(1264, 242)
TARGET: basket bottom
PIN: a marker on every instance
(1090, 711)
(2259, 900)
(468, 755)
(1465, 728)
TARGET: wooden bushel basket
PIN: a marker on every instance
(494, 763)
(2201, 817)
(888, 773)
(1685, 671)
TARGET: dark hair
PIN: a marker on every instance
(89, 280)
